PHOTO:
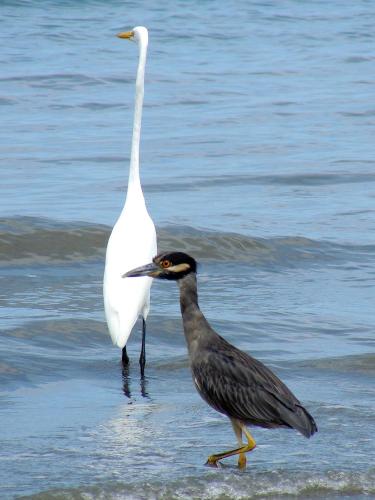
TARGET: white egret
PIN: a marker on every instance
(133, 238)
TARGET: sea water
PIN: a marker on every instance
(256, 158)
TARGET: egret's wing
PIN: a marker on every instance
(132, 243)
(123, 303)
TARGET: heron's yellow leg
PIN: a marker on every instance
(250, 443)
(238, 429)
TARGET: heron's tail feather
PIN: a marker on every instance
(301, 420)
(309, 426)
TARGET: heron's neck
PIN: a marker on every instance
(188, 293)
(134, 185)
(194, 322)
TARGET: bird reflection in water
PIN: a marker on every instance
(126, 380)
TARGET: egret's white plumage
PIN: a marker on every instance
(133, 238)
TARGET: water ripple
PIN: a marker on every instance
(26, 240)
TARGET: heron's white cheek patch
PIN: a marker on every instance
(179, 268)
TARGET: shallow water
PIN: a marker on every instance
(257, 158)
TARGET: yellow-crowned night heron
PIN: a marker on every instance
(229, 380)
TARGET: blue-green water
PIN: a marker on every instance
(257, 158)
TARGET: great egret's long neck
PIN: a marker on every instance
(134, 185)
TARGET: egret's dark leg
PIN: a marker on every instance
(124, 357)
(238, 429)
(142, 358)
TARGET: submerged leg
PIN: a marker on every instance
(142, 358)
(238, 427)
(124, 357)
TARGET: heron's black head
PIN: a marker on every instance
(167, 266)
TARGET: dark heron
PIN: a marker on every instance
(229, 380)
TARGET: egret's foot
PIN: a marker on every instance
(124, 357)
(242, 461)
(212, 461)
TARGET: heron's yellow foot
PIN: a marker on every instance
(212, 461)
(242, 461)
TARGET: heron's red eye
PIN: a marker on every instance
(165, 263)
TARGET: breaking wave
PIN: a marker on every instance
(261, 485)
(34, 240)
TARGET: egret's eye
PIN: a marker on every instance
(165, 263)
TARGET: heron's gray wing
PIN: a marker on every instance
(242, 387)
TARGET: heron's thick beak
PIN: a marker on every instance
(151, 270)
(126, 34)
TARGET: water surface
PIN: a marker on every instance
(257, 158)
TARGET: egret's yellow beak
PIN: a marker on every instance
(126, 34)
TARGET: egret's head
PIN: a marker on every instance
(167, 266)
(137, 34)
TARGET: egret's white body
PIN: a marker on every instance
(133, 238)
